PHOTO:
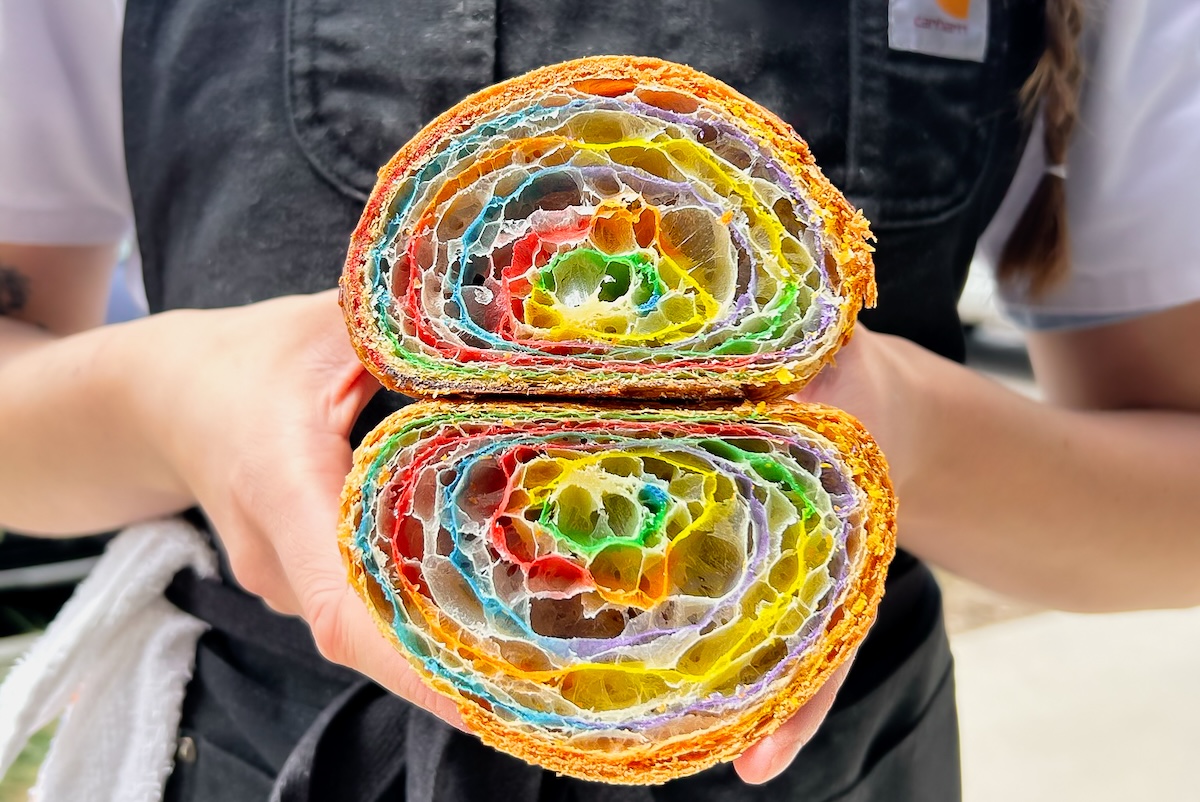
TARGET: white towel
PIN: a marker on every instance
(114, 665)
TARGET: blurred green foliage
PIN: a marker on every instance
(15, 785)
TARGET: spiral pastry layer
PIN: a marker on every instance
(608, 226)
(624, 595)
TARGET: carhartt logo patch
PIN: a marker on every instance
(946, 28)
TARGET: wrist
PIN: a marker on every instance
(942, 413)
(900, 397)
(139, 365)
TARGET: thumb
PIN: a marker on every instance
(343, 629)
(766, 760)
(339, 379)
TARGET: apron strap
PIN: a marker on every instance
(350, 751)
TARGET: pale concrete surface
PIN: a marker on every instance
(1063, 707)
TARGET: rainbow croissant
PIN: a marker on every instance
(622, 593)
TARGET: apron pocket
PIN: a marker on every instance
(363, 76)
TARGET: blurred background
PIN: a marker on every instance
(1055, 706)
(1052, 706)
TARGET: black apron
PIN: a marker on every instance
(253, 132)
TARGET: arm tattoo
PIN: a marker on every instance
(14, 290)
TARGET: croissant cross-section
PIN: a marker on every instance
(615, 594)
(609, 226)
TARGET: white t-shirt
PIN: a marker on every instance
(1133, 191)
(62, 160)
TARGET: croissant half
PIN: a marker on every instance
(609, 226)
(621, 595)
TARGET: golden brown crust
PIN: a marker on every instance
(662, 761)
(845, 233)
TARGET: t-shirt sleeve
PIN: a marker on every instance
(1134, 174)
(62, 166)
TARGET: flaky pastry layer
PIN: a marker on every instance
(611, 226)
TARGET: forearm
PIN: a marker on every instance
(1075, 509)
(76, 453)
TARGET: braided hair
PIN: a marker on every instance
(1038, 252)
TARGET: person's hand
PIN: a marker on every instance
(877, 379)
(254, 407)
(867, 380)
(766, 760)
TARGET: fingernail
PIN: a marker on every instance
(760, 764)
